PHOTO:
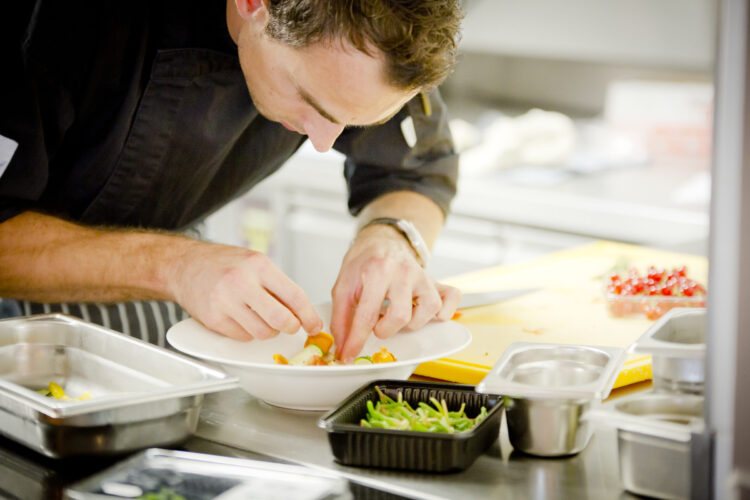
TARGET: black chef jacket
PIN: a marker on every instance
(136, 113)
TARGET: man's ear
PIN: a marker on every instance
(251, 8)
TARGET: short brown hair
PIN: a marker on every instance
(418, 37)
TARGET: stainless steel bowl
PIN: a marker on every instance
(547, 427)
(142, 395)
(547, 389)
(678, 374)
(677, 344)
(654, 442)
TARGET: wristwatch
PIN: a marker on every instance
(411, 233)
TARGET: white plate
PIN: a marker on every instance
(314, 387)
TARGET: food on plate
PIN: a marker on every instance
(162, 494)
(398, 414)
(654, 292)
(318, 350)
(54, 390)
(383, 356)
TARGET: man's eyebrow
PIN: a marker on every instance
(312, 102)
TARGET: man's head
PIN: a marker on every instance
(317, 66)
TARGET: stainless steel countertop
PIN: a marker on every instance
(234, 423)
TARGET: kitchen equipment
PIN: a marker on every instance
(677, 344)
(314, 387)
(360, 446)
(568, 308)
(478, 299)
(547, 389)
(142, 395)
(655, 433)
(200, 476)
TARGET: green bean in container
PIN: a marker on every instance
(399, 414)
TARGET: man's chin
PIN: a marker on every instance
(288, 127)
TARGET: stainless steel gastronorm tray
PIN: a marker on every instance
(199, 476)
(677, 344)
(559, 371)
(142, 395)
(655, 437)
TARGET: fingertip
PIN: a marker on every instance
(443, 316)
(348, 358)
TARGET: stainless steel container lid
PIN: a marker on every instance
(681, 333)
(671, 416)
(554, 371)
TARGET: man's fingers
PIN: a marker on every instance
(293, 297)
(230, 328)
(397, 315)
(341, 317)
(275, 314)
(252, 322)
(451, 299)
(366, 315)
(426, 307)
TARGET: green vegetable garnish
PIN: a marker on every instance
(390, 414)
(163, 494)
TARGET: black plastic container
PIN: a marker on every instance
(411, 450)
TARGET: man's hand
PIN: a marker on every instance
(240, 293)
(381, 265)
(232, 290)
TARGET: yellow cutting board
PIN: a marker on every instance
(568, 308)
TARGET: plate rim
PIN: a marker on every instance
(318, 369)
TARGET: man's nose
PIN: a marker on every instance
(323, 133)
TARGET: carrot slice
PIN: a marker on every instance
(281, 360)
(383, 356)
(317, 361)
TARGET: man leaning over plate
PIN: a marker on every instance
(124, 124)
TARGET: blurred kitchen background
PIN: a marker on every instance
(576, 121)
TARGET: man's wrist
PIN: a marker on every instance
(408, 232)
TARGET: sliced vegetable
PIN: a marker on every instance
(390, 414)
(305, 356)
(162, 494)
(319, 350)
(383, 356)
(55, 391)
(280, 360)
(323, 340)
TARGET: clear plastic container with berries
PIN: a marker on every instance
(653, 292)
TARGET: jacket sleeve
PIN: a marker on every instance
(24, 177)
(379, 160)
